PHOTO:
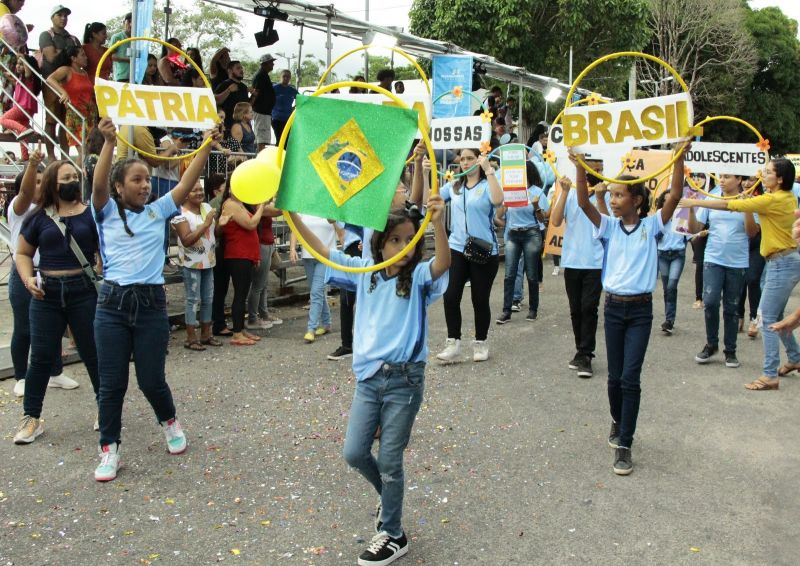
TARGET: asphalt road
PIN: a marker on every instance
(508, 462)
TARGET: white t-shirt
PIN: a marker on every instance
(199, 255)
(15, 226)
(322, 229)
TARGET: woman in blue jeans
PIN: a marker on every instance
(132, 307)
(63, 294)
(671, 259)
(629, 279)
(775, 209)
(724, 267)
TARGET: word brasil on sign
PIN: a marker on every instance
(732, 158)
(144, 105)
(645, 122)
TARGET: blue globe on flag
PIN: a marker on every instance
(349, 166)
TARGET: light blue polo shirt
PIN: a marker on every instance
(727, 243)
(480, 213)
(387, 328)
(522, 216)
(138, 259)
(579, 248)
(670, 240)
(630, 261)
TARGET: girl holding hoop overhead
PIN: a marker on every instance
(389, 355)
(630, 267)
(473, 246)
(131, 313)
(775, 210)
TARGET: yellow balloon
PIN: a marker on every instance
(270, 154)
(255, 181)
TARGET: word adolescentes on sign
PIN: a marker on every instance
(144, 105)
(645, 122)
(455, 133)
(732, 158)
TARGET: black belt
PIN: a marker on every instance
(640, 298)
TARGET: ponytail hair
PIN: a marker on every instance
(638, 190)
(397, 217)
(91, 29)
(118, 173)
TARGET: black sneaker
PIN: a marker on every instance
(504, 317)
(705, 356)
(667, 327)
(622, 462)
(731, 361)
(613, 436)
(383, 550)
(341, 353)
(573, 363)
(515, 306)
(585, 367)
(531, 315)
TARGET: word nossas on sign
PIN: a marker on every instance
(456, 133)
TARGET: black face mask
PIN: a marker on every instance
(593, 179)
(69, 191)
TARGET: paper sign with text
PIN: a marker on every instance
(731, 158)
(555, 234)
(644, 122)
(421, 103)
(166, 107)
(456, 133)
(513, 175)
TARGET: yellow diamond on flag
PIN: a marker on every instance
(346, 162)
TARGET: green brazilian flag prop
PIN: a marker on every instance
(344, 159)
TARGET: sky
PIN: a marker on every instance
(385, 12)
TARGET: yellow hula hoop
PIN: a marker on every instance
(618, 55)
(121, 42)
(364, 48)
(753, 129)
(434, 186)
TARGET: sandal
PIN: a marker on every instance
(211, 341)
(252, 337)
(763, 384)
(224, 332)
(242, 342)
(194, 345)
(788, 368)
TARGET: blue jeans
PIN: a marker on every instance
(670, 267)
(525, 244)
(320, 313)
(727, 282)
(131, 319)
(628, 326)
(68, 300)
(257, 298)
(389, 399)
(20, 300)
(782, 274)
(199, 287)
(519, 281)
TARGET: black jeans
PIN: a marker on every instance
(699, 249)
(752, 281)
(278, 126)
(68, 300)
(347, 303)
(241, 271)
(481, 277)
(221, 281)
(583, 292)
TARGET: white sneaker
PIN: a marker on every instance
(265, 323)
(109, 463)
(274, 320)
(63, 382)
(452, 350)
(253, 325)
(176, 440)
(556, 271)
(19, 388)
(480, 351)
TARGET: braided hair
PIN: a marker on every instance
(118, 173)
(397, 217)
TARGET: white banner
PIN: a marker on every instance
(455, 133)
(731, 158)
(167, 107)
(419, 102)
(610, 156)
(644, 122)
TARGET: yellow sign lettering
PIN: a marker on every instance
(600, 123)
(106, 97)
(652, 117)
(207, 110)
(628, 128)
(128, 105)
(172, 103)
(575, 130)
(149, 98)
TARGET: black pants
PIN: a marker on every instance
(752, 282)
(278, 126)
(241, 271)
(347, 303)
(221, 281)
(583, 291)
(481, 277)
(699, 249)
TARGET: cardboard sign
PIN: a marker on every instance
(166, 107)
(794, 158)
(644, 122)
(421, 103)
(731, 158)
(450, 71)
(513, 175)
(456, 133)
(611, 157)
(554, 236)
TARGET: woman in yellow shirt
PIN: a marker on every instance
(775, 209)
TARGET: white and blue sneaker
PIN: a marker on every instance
(109, 463)
(176, 440)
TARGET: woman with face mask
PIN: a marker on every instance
(62, 293)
